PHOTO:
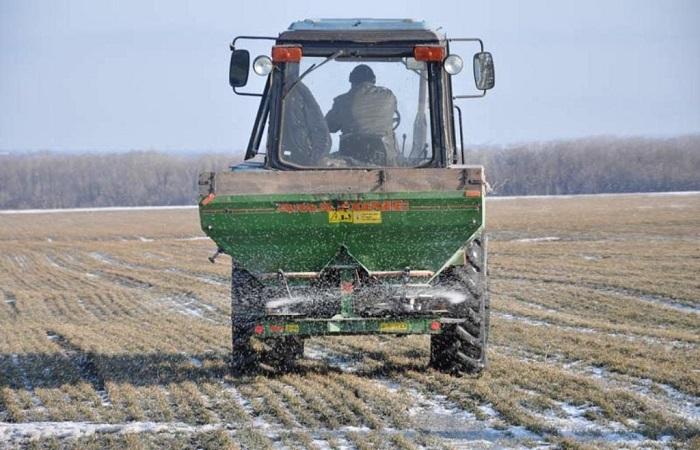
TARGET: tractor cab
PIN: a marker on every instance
(358, 93)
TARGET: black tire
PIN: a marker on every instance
(282, 353)
(246, 308)
(461, 347)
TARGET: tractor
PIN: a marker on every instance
(367, 224)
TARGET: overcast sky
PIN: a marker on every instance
(98, 75)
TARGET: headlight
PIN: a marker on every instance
(453, 64)
(262, 65)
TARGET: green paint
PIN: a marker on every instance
(346, 309)
(261, 239)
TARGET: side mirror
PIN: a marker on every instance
(484, 75)
(238, 70)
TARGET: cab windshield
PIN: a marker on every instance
(355, 113)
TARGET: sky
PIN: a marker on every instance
(140, 74)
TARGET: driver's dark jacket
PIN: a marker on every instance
(305, 136)
(364, 115)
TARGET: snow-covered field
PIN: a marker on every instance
(114, 333)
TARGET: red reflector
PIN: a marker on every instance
(276, 328)
(428, 53)
(434, 326)
(259, 329)
(206, 200)
(282, 53)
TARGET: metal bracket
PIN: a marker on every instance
(212, 258)
(464, 178)
(481, 43)
(481, 47)
(232, 46)
(283, 279)
(406, 275)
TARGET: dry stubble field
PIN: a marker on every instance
(114, 332)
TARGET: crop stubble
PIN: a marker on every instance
(115, 332)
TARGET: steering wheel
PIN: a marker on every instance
(396, 120)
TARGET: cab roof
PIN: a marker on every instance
(361, 30)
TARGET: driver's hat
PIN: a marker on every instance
(362, 73)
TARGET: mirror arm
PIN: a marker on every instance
(252, 38)
(481, 47)
(455, 97)
(461, 132)
(481, 43)
(232, 46)
(249, 94)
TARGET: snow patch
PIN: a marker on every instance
(196, 362)
(242, 401)
(101, 209)
(101, 257)
(212, 281)
(21, 261)
(523, 319)
(51, 262)
(624, 194)
(572, 421)
(30, 431)
(437, 415)
(488, 410)
(342, 362)
(189, 305)
(659, 300)
(688, 405)
(668, 397)
(539, 239)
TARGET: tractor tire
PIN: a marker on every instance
(246, 308)
(461, 347)
(282, 353)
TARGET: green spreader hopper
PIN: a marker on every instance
(357, 219)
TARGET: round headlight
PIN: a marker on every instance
(262, 65)
(453, 64)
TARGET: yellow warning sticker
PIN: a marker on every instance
(393, 326)
(366, 217)
(339, 216)
(354, 216)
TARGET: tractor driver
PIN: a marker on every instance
(364, 115)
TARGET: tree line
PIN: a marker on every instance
(56, 180)
(593, 165)
(583, 166)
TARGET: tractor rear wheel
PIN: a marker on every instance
(282, 353)
(461, 347)
(246, 309)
